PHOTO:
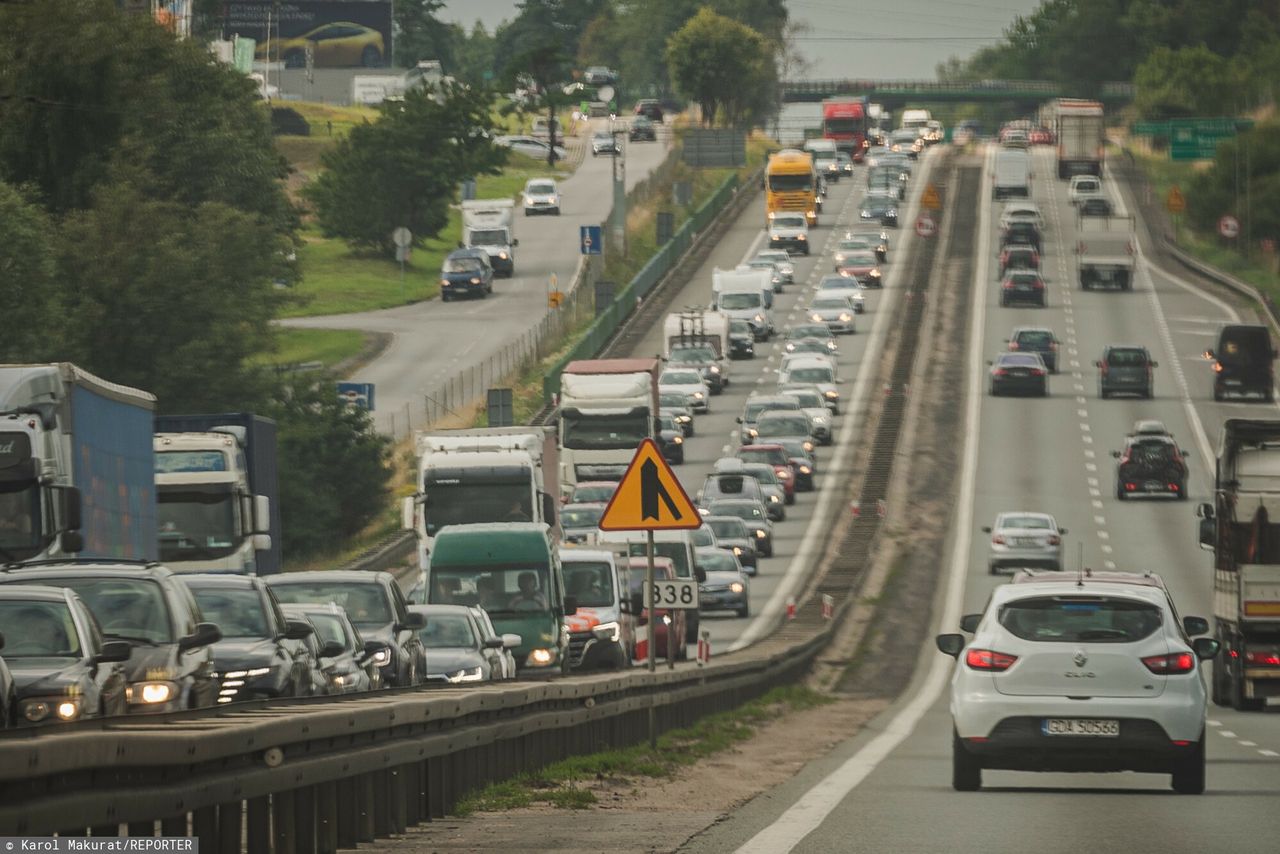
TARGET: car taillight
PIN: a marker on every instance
(1173, 487)
(1038, 285)
(987, 659)
(999, 372)
(1036, 372)
(1054, 539)
(1013, 345)
(1102, 368)
(1262, 659)
(998, 539)
(1174, 662)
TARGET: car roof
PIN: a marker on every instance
(1018, 330)
(342, 576)
(81, 568)
(224, 580)
(38, 592)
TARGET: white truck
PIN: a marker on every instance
(1105, 252)
(489, 224)
(745, 295)
(606, 408)
(485, 474)
(1237, 527)
(916, 120)
(1078, 127)
(686, 338)
(1011, 175)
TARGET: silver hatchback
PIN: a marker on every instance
(1024, 539)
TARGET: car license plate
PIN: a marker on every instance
(1153, 484)
(1080, 726)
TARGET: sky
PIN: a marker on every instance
(885, 39)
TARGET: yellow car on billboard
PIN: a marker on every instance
(336, 45)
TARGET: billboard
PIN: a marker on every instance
(339, 34)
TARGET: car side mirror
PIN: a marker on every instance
(332, 649)
(570, 605)
(515, 242)
(1115, 454)
(1062, 530)
(1204, 511)
(986, 529)
(413, 621)
(951, 644)
(1206, 648)
(1209, 354)
(1155, 364)
(114, 651)
(297, 630)
(700, 574)
(1195, 626)
(1208, 534)
(493, 643)
(461, 245)
(969, 622)
(206, 634)
(738, 419)
(511, 641)
(1098, 364)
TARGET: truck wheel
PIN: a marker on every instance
(1235, 690)
(1121, 495)
(1188, 771)
(1217, 685)
(966, 769)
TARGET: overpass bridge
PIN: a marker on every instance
(894, 94)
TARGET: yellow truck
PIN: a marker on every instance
(791, 185)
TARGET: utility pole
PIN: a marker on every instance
(619, 190)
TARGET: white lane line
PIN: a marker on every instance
(1109, 564)
(1226, 733)
(1093, 481)
(1103, 535)
(1248, 744)
(1106, 549)
(1084, 426)
(1269, 753)
(1098, 505)
(1083, 413)
(1100, 520)
(1213, 723)
(813, 807)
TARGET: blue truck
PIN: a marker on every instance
(76, 467)
(218, 493)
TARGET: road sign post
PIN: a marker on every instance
(925, 226)
(403, 239)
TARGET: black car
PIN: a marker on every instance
(671, 439)
(60, 668)
(1019, 373)
(1036, 339)
(752, 512)
(1022, 232)
(642, 129)
(344, 658)
(466, 272)
(726, 587)
(800, 456)
(1242, 362)
(676, 404)
(262, 654)
(1151, 465)
(375, 605)
(1125, 369)
(170, 665)
(8, 695)
(1095, 206)
(1018, 256)
(1023, 286)
(650, 108)
(742, 341)
(734, 536)
(881, 209)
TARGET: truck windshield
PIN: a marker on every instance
(790, 183)
(740, 302)
(590, 582)
(489, 237)
(588, 432)
(499, 590)
(197, 523)
(20, 535)
(842, 125)
(471, 503)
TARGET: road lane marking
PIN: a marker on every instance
(1269, 753)
(1226, 733)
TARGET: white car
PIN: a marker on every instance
(689, 383)
(1090, 674)
(529, 146)
(815, 371)
(834, 309)
(789, 231)
(1022, 539)
(541, 195)
(845, 286)
(1083, 185)
(1022, 212)
(603, 142)
(781, 260)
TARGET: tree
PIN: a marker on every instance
(404, 168)
(1189, 81)
(420, 34)
(173, 299)
(336, 462)
(476, 57)
(27, 277)
(725, 66)
(540, 45)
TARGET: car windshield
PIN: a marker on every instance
(330, 629)
(810, 375)
(853, 243)
(778, 257)
(860, 256)
(1024, 278)
(542, 188)
(692, 356)
(128, 608)
(783, 425)
(739, 327)
(448, 631)
(666, 422)
(366, 604)
(838, 283)
(35, 629)
(594, 493)
(809, 346)
(740, 301)
(1035, 338)
(1026, 523)
(674, 399)
(716, 560)
(730, 528)
(681, 378)
(808, 399)
(830, 302)
(1077, 619)
(462, 265)
(789, 221)
(771, 456)
(590, 583)
(754, 407)
(809, 330)
(745, 510)
(764, 474)
(1133, 358)
(604, 136)
(580, 517)
(238, 612)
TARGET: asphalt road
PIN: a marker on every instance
(888, 789)
(799, 540)
(435, 341)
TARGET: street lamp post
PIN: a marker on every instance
(619, 164)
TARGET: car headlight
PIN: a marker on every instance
(736, 587)
(382, 657)
(684, 419)
(775, 236)
(715, 369)
(810, 214)
(839, 258)
(773, 499)
(760, 533)
(805, 470)
(831, 394)
(845, 317)
(444, 282)
(808, 446)
(540, 657)
(821, 419)
(677, 440)
(816, 316)
(791, 346)
(467, 674)
(752, 432)
(801, 237)
(339, 680)
(63, 709)
(150, 693)
(875, 274)
(502, 255)
(737, 550)
(831, 345)
(475, 281)
(759, 318)
(611, 632)
(697, 395)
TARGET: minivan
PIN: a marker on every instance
(1242, 362)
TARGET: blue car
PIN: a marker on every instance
(466, 272)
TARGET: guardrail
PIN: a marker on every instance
(1226, 280)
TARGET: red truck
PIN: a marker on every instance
(844, 120)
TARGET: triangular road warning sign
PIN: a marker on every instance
(930, 198)
(650, 497)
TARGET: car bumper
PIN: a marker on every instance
(742, 349)
(721, 600)
(1039, 558)
(542, 207)
(840, 327)
(789, 244)
(587, 652)
(463, 289)
(1030, 385)
(1151, 485)
(502, 265)
(1123, 387)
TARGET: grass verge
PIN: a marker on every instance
(560, 784)
(326, 346)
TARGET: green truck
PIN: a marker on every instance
(513, 571)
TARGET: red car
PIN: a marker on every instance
(668, 620)
(1018, 256)
(776, 456)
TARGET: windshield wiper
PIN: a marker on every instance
(131, 638)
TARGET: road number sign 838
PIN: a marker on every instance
(676, 593)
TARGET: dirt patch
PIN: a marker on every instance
(650, 815)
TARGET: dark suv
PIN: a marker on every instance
(466, 272)
(1125, 369)
(650, 108)
(1018, 256)
(171, 666)
(1151, 464)
(262, 654)
(1242, 362)
(375, 605)
(1021, 232)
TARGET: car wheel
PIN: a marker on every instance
(966, 769)
(790, 499)
(370, 57)
(1188, 771)
(1121, 495)
(1235, 691)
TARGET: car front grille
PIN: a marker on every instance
(578, 642)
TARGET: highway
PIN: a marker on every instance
(435, 341)
(799, 540)
(888, 788)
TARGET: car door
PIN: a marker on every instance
(195, 666)
(109, 678)
(410, 643)
(299, 667)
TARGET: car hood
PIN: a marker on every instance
(587, 619)
(721, 578)
(462, 277)
(444, 660)
(244, 653)
(827, 312)
(45, 676)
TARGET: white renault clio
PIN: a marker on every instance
(1093, 673)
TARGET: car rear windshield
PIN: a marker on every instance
(1121, 358)
(729, 529)
(1074, 619)
(1038, 338)
(366, 604)
(1027, 522)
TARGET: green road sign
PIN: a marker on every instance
(1151, 128)
(1197, 139)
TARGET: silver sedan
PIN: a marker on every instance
(1024, 539)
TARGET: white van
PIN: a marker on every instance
(916, 120)
(745, 295)
(676, 545)
(1012, 174)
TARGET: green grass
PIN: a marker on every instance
(559, 784)
(327, 346)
